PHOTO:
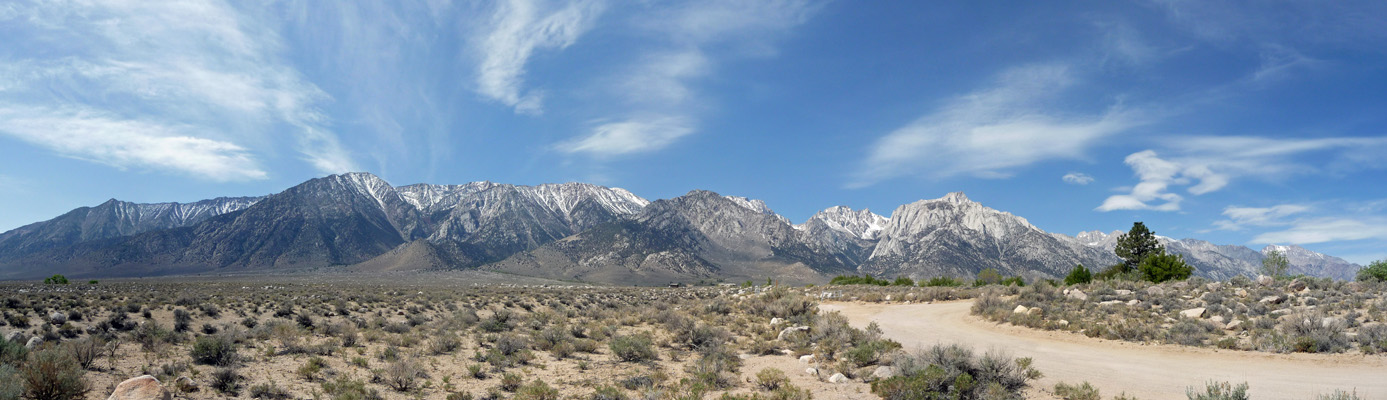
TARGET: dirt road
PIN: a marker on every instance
(1146, 371)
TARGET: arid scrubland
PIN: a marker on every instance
(253, 339)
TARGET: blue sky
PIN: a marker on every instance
(1236, 122)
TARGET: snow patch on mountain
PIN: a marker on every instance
(860, 224)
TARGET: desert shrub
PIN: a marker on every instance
(1373, 339)
(347, 389)
(226, 380)
(500, 321)
(953, 371)
(716, 367)
(858, 280)
(12, 353)
(771, 379)
(511, 382)
(1339, 395)
(181, 320)
(1078, 275)
(1188, 333)
(607, 393)
(11, 386)
(1218, 391)
(444, 343)
(402, 375)
(86, 350)
(459, 396)
(633, 348)
(53, 374)
(1084, 391)
(55, 280)
(1310, 333)
(213, 350)
(537, 390)
(269, 391)
(989, 305)
(988, 276)
(903, 281)
(310, 369)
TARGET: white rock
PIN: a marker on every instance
(1123, 292)
(811, 371)
(1133, 302)
(1217, 319)
(786, 331)
(1241, 292)
(1193, 313)
(1077, 294)
(33, 342)
(1112, 303)
(1155, 291)
(838, 378)
(1265, 281)
(883, 372)
(776, 321)
(1213, 286)
(1233, 325)
(1020, 309)
(807, 358)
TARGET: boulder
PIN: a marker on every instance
(1265, 281)
(1077, 294)
(1296, 285)
(811, 371)
(1133, 302)
(786, 331)
(57, 318)
(807, 358)
(1330, 321)
(1241, 292)
(838, 378)
(16, 336)
(1233, 325)
(1155, 291)
(1063, 322)
(1123, 292)
(33, 342)
(883, 372)
(1020, 309)
(1213, 286)
(776, 321)
(1036, 311)
(1112, 303)
(1272, 300)
(140, 388)
(1217, 319)
(1179, 285)
(1194, 313)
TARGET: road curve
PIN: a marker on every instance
(1145, 371)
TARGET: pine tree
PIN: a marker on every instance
(1137, 244)
(1275, 264)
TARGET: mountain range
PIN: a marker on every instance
(573, 231)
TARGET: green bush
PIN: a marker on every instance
(1218, 391)
(1084, 391)
(537, 390)
(213, 350)
(54, 375)
(858, 280)
(942, 281)
(988, 277)
(1078, 275)
(903, 281)
(632, 348)
(1375, 271)
(55, 280)
(226, 380)
(347, 389)
(11, 387)
(953, 372)
(1161, 267)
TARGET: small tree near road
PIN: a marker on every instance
(1275, 264)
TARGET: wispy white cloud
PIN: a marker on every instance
(991, 132)
(1209, 163)
(518, 29)
(198, 73)
(662, 81)
(1242, 217)
(631, 136)
(1328, 229)
(1077, 178)
(96, 136)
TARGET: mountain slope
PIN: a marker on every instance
(1225, 261)
(112, 219)
(700, 235)
(954, 236)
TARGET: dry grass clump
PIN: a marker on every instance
(1292, 315)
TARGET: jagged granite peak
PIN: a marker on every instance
(863, 224)
(955, 236)
(429, 197)
(757, 206)
(1305, 261)
(115, 218)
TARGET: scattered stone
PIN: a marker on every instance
(1133, 302)
(1062, 322)
(786, 331)
(883, 372)
(1194, 313)
(140, 388)
(1296, 285)
(1112, 303)
(185, 384)
(33, 342)
(807, 358)
(1123, 292)
(1155, 291)
(1354, 286)
(1233, 325)
(811, 371)
(1241, 292)
(1330, 321)
(776, 321)
(1272, 300)
(787, 352)
(57, 318)
(1077, 294)
(838, 378)
(1283, 311)
(1265, 281)
(1213, 286)
(1036, 311)
(1179, 285)
(1020, 309)
(16, 336)
(1217, 319)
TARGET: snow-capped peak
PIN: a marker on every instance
(862, 224)
(757, 206)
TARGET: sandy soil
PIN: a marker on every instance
(1145, 371)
